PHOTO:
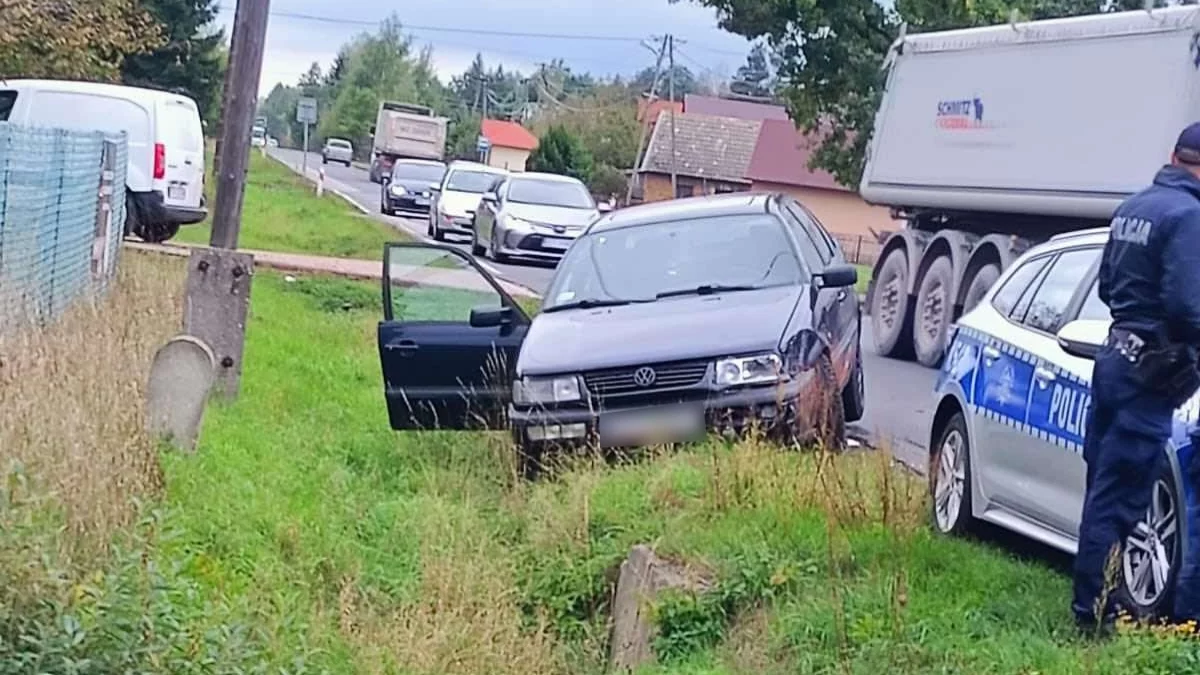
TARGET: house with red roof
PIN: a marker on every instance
(779, 163)
(511, 144)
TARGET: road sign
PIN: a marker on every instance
(483, 144)
(306, 111)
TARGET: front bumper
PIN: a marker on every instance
(540, 243)
(455, 224)
(411, 201)
(771, 409)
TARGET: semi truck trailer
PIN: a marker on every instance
(990, 140)
(405, 131)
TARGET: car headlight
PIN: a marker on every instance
(398, 189)
(542, 390)
(757, 369)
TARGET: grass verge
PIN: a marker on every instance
(282, 213)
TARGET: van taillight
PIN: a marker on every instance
(160, 161)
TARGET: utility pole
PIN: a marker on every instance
(217, 295)
(241, 101)
(646, 122)
(671, 94)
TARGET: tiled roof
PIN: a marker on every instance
(508, 135)
(706, 146)
(723, 107)
(781, 156)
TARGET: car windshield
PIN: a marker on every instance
(471, 181)
(424, 172)
(341, 145)
(649, 262)
(570, 195)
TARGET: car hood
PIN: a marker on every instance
(686, 327)
(551, 215)
(413, 184)
(455, 203)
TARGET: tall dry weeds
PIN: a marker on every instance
(71, 399)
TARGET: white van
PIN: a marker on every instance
(165, 178)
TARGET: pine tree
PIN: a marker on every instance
(191, 61)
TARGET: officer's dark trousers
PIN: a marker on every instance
(1127, 430)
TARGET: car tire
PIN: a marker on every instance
(494, 249)
(155, 233)
(854, 396)
(950, 478)
(348, 164)
(429, 227)
(529, 458)
(934, 312)
(476, 249)
(1147, 601)
(890, 315)
(438, 233)
(818, 416)
(324, 160)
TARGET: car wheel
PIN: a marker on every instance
(438, 233)
(950, 478)
(889, 307)
(1151, 556)
(818, 415)
(529, 458)
(324, 160)
(494, 250)
(429, 226)
(348, 164)
(854, 394)
(934, 312)
(155, 233)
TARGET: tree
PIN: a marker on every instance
(191, 60)
(754, 77)
(561, 152)
(83, 39)
(607, 180)
(685, 81)
(829, 53)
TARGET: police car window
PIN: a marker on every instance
(1051, 299)
(1009, 295)
(1093, 308)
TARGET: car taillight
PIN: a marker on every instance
(160, 161)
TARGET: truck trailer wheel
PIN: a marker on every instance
(979, 284)
(890, 314)
(934, 312)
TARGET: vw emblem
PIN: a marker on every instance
(644, 376)
(560, 229)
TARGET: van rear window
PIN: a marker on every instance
(8, 99)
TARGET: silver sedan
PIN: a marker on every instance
(532, 215)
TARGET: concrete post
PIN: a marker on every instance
(216, 305)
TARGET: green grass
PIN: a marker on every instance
(282, 213)
(864, 278)
(364, 550)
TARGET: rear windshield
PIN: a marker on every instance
(339, 144)
(568, 194)
(8, 99)
(429, 172)
(179, 127)
(477, 182)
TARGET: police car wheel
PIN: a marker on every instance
(950, 478)
(1150, 560)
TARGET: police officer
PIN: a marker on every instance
(1150, 279)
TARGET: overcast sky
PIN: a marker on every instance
(294, 42)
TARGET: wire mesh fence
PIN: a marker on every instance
(859, 249)
(62, 214)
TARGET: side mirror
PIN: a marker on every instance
(489, 317)
(604, 207)
(838, 276)
(490, 197)
(435, 187)
(1083, 338)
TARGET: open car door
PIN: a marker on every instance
(448, 341)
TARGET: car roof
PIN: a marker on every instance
(140, 94)
(419, 162)
(339, 140)
(475, 166)
(546, 177)
(731, 204)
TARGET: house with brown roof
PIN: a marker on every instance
(727, 107)
(709, 155)
(511, 144)
(779, 163)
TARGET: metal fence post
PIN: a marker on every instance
(104, 208)
(858, 250)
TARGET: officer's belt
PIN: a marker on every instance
(1130, 344)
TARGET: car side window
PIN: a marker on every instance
(1016, 286)
(809, 231)
(808, 250)
(1092, 307)
(1048, 307)
(820, 230)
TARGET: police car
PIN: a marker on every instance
(1012, 402)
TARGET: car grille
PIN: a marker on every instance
(625, 381)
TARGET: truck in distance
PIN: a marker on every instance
(405, 131)
(989, 140)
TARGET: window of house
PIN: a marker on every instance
(1048, 306)
(682, 190)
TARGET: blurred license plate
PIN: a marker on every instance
(555, 244)
(421, 201)
(648, 427)
(176, 192)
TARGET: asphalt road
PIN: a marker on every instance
(899, 393)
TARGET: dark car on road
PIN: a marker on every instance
(409, 186)
(662, 322)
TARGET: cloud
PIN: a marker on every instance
(303, 31)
